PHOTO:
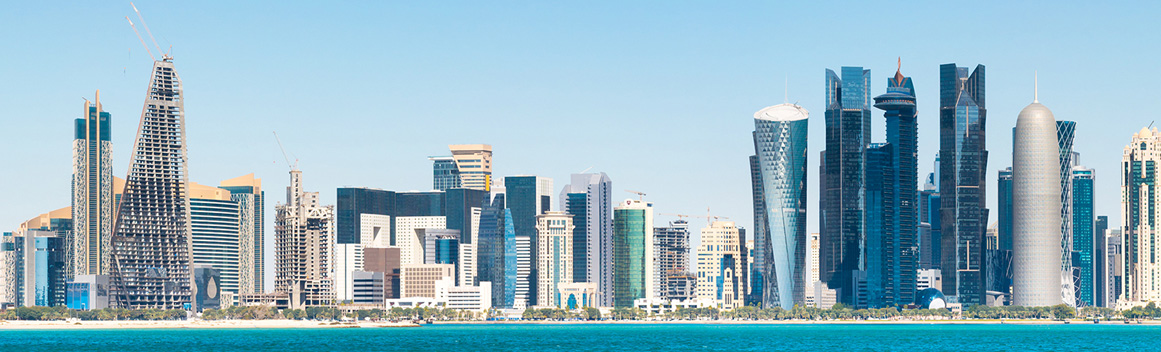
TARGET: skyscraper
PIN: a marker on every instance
(1140, 192)
(151, 236)
(1100, 261)
(778, 176)
(877, 268)
(356, 204)
(1084, 241)
(962, 191)
(216, 236)
(304, 244)
(445, 173)
(527, 197)
(633, 275)
(474, 162)
(999, 264)
(589, 199)
(497, 250)
(1036, 274)
(901, 243)
(247, 191)
(554, 264)
(720, 266)
(1004, 193)
(92, 202)
(671, 248)
(848, 131)
(1067, 159)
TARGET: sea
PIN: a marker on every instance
(606, 337)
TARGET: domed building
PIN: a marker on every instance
(930, 298)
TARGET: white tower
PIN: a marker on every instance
(1036, 274)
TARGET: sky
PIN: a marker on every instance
(658, 94)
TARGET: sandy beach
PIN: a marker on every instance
(196, 324)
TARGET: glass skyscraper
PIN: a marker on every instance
(589, 199)
(901, 222)
(848, 132)
(632, 252)
(963, 170)
(1084, 236)
(445, 173)
(352, 203)
(92, 201)
(247, 192)
(778, 174)
(880, 226)
(527, 197)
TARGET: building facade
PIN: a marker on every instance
(304, 245)
(247, 191)
(555, 256)
(848, 131)
(671, 246)
(633, 256)
(900, 226)
(962, 187)
(474, 162)
(90, 245)
(1036, 274)
(720, 266)
(215, 229)
(1084, 240)
(589, 198)
(1140, 194)
(778, 177)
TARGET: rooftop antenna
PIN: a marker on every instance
(293, 166)
(786, 90)
(1035, 87)
(139, 38)
(146, 28)
(586, 170)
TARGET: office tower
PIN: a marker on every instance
(1067, 159)
(1036, 275)
(215, 233)
(812, 268)
(1004, 193)
(151, 236)
(247, 191)
(998, 265)
(1115, 268)
(426, 280)
(527, 197)
(497, 251)
(929, 250)
(411, 237)
(35, 266)
(671, 247)
(445, 173)
(880, 226)
(720, 266)
(304, 245)
(474, 162)
(356, 204)
(555, 256)
(778, 182)
(848, 131)
(462, 208)
(440, 246)
(962, 192)
(1084, 239)
(1141, 273)
(1100, 260)
(92, 201)
(386, 261)
(902, 223)
(633, 275)
(524, 279)
(412, 203)
(369, 288)
(589, 198)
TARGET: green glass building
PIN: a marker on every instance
(632, 252)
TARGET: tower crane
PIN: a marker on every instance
(640, 195)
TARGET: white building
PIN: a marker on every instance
(1037, 278)
(408, 240)
(473, 298)
(720, 265)
(554, 265)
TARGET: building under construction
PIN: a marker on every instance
(151, 236)
(304, 244)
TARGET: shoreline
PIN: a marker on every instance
(305, 324)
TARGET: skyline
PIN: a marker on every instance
(233, 109)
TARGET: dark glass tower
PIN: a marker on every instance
(353, 203)
(1004, 193)
(848, 131)
(1084, 236)
(963, 168)
(902, 221)
(1100, 263)
(526, 202)
(879, 259)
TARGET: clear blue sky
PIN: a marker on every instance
(660, 95)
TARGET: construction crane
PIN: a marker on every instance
(679, 216)
(709, 219)
(293, 166)
(641, 195)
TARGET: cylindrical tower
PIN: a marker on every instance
(780, 145)
(1036, 276)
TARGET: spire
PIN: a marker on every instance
(898, 73)
(1036, 87)
(786, 91)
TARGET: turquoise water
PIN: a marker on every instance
(590, 337)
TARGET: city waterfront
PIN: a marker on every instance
(619, 337)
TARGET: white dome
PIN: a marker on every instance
(782, 112)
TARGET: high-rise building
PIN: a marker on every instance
(151, 235)
(445, 173)
(555, 256)
(880, 195)
(92, 201)
(440, 246)
(474, 162)
(900, 244)
(1004, 195)
(1100, 260)
(411, 236)
(386, 261)
(998, 267)
(527, 197)
(1114, 268)
(1140, 192)
(352, 206)
(589, 198)
(1084, 239)
(34, 267)
(426, 280)
(497, 251)
(720, 265)
(671, 248)
(848, 131)
(1067, 159)
(524, 279)
(1036, 274)
(633, 276)
(304, 245)
(778, 178)
(962, 192)
(216, 234)
(247, 191)
(929, 229)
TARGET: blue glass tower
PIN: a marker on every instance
(879, 261)
(901, 222)
(354, 202)
(778, 173)
(848, 131)
(963, 168)
(1084, 235)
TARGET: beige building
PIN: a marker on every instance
(576, 295)
(474, 162)
(426, 280)
(555, 254)
(304, 245)
(1142, 265)
(720, 266)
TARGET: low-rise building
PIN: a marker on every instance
(576, 295)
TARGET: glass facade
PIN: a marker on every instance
(214, 227)
(628, 256)
(962, 186)
(778, 175)
(848, 132)
(901, 220)
(526, 202)
(1084, 236)
(1100, 261)
(577, 205)
(352, 203)
(879, 257)
(459, 204)
(445, 173)
(92, 186)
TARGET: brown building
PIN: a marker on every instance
(386, 261)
